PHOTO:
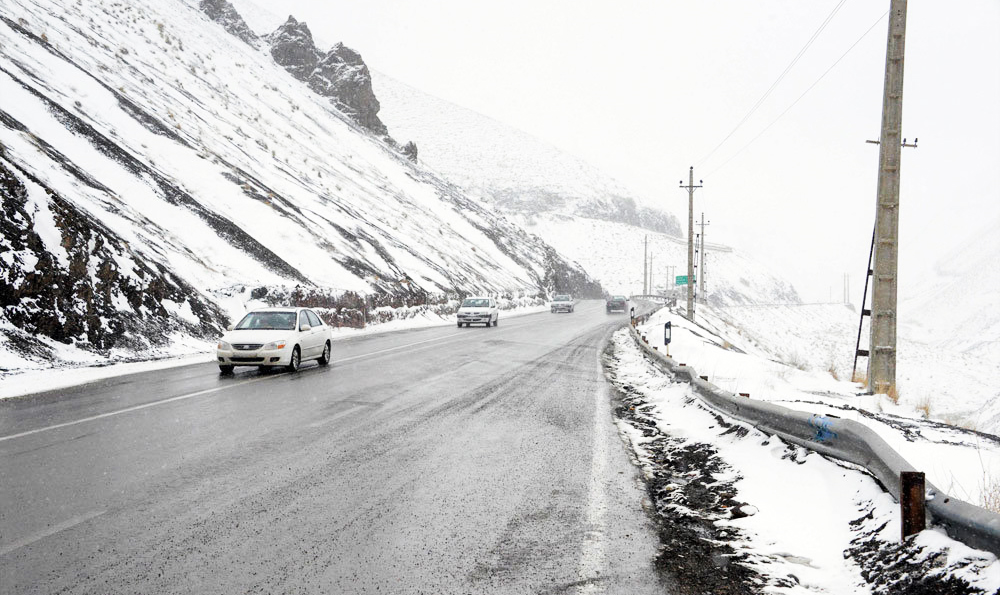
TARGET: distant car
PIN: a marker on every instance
(562, 303)
(616, 303)
(478, 310)
(275, 337)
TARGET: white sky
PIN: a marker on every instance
(643, 89)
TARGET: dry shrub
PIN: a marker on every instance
(727, 345)
(832, 369)
(796, 361)
(893, 394)
(924, 407)
(989, 497)
(860, 377)
(964, 423)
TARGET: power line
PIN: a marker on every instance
(804, 93)
(777, 81)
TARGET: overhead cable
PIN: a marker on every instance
(777, 81)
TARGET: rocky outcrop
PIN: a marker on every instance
(340, 74)
(410, 150)
(225, 14)
(65, 276)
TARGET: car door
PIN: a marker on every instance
(307, 339)
(319, 330)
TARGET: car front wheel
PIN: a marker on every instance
(325, 358)
(293, 364)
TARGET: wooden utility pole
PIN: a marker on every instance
(701, 264)
(882, 358)
(690, 276)
(645, 266)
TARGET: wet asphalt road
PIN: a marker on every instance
(439, 460)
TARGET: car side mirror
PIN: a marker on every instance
(305, 328)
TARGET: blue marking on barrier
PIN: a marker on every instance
(822, 424)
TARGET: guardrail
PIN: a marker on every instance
(843, 439)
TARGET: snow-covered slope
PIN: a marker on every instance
(205, 166)
(958, 306)
(613, 252)
(516, 170)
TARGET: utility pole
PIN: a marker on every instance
(701, 265)
(882, 360)
(651, 290)
(690, 276)
(645, 265)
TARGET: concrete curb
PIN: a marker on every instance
(843, 439)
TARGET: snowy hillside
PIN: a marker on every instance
(957, 306)
(613, 252)
(516, 170)
(155, 165)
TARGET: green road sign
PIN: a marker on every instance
(683, 279)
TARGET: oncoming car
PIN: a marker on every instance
(478, 310)
(275, 337)
(562, 303)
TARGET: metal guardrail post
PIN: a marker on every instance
(911, 502)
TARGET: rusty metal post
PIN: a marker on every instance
(911, 502)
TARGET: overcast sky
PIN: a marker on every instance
(644, 89)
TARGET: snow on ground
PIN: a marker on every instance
(793, 513)
(784, 354)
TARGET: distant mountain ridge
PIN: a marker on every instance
(512, 169)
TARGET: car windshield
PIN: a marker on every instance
(475, 303)
(283, 321)
(562, 298)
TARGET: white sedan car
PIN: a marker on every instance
(478, 310)
(283, 337)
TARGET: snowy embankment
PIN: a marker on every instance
(786, 355)
(774, 517)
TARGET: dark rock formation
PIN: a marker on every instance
(410, 150)
(624, 210)
(81, 283)
(225, 14)
(340, 74)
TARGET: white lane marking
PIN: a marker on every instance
(67, 524)
(207, 391)
(396, 348)
(592, 556)
(202, 392)
(133, 408)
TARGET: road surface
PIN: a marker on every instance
(438, 460)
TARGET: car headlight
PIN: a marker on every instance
(223, 346)
(274, 345)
